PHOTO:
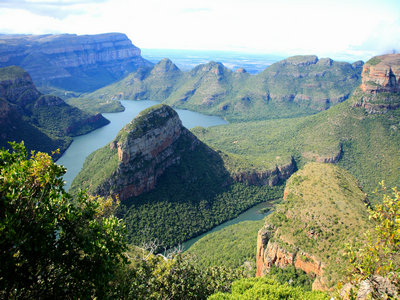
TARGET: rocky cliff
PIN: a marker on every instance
(271, 253)
(381, 74)
(323, 208)
(380, 88)
(141, 152)
(270, 177)
(146, 147)
(44, 122)
(69, 61)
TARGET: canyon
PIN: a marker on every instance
(72, 62)
(44, 122)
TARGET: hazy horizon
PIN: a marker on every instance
(340, 29)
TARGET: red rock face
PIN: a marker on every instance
(142, 159)
(382, 74)
(270, 177)
(270, 253)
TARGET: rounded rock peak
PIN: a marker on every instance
(301, 60)
(241, 70)
(165, 65)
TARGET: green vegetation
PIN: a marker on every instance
(176, 211)
(295, 87)
(374, 61)
(190, 197)
(232, 246)
(145, 121)
(291, 276)
(56, 246)
(12, 73)
(44, 122)
(95, 106)
(177, 277)
(53, 246)
(101, 163)
(380, 255)
(267, 289)
(16, 128)
(323, 209)
(57, 118)
(368, 145)
(144, 83)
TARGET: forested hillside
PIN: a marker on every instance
(297, 86)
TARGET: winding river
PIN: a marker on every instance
(83, 145)
(74, 157)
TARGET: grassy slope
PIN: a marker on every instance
(371, 142)
(325, 201)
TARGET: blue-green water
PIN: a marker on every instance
(83, 145)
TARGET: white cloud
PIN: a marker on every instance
(286, 27)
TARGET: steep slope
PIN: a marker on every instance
(172, 186)
(140, 154)
(323, 209)
(44, 122)
(142, 84)
(296, 86)
(72, 62)
(206, 86)
(365, 142)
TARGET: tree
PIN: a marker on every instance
(53, 245)
(380, 255)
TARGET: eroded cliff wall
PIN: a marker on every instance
(69, 61)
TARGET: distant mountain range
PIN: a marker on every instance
(297, 86)
(79, 63)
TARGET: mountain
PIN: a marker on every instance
(296, 86)
(363, 141)
(381, 84)
(44, 122)
(323, 209)
(156, 84)
(72, 62)
(139, 155)
(172, 186)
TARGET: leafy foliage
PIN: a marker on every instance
(177, 277)
(173, 215)
(50, 244)
(268, 289)
(380, 256)
(291, 276)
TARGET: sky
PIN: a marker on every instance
(331, 28)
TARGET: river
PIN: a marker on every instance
(81, 146)
(252, 214)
